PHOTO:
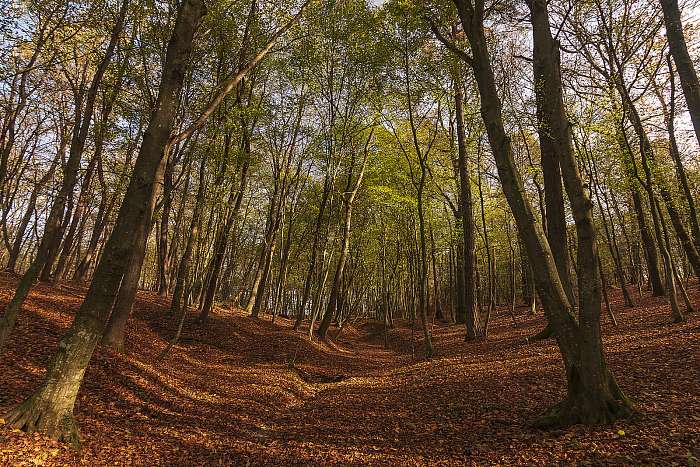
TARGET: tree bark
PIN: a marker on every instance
(50, 408)
(467, 297)
(592, 393)
(684, 63)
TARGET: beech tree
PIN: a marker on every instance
(50, 408)
(340, 161)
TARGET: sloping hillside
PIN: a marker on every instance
(243, 391)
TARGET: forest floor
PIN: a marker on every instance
(228, 394)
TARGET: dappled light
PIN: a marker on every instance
(355, 232)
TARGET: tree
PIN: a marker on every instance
(684, 63)
(592, 393)
(53, 232)
(50, 408)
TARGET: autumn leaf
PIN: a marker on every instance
(226, 393)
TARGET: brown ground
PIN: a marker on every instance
(226, 394)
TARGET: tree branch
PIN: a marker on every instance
(448, 43)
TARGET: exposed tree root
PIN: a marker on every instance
(37, 414)
(546, 333)
(588, 409)
(585, 412)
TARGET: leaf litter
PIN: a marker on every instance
(244, 391)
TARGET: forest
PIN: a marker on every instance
(364, 232)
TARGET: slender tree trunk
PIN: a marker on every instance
(611, 239)
(680, 170)
(31, 206)
(257, 291)
(650, 252)
(481, 326)
(116, 325)
(83, 118)
(163, 251)
(467, 216)
(77, 215)
(301, 310)
(648, 163)
(593, 393)
(104, 212)
(261, 291)
(679, 317)
(605, 293)
(665, 248)
(348, 200)
(222, 241)
(436, 283)
(184, 267)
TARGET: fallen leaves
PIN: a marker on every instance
(242, 391)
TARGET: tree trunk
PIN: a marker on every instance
(222, 241)
(163, 251)
(467, 298)
(50, 408)
(481, 326)
(183, 269)
(348, 199)
(592, 393)
(24, 222)
(680, 170)
(436, 283)
(116, 325)
(327, 185)
(611, 239)
(650, 252)
(684, 63)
